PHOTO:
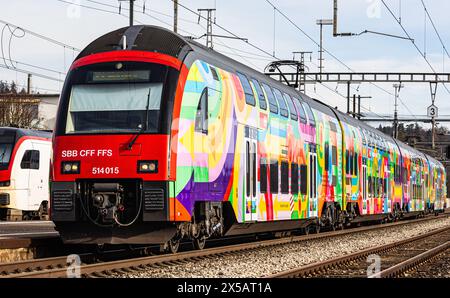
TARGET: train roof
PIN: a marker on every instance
(164, 41)
(20, 132)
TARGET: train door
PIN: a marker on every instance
(387, 189)
(33, 162)
(312, 178)
(364, 186)
(250, 174)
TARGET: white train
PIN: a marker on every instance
(24, 173)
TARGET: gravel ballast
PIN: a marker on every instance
(270, 260)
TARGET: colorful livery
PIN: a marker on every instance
(159, 138)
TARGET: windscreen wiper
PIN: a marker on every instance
(143, 127)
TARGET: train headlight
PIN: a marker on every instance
(147, 166)
(70, 167)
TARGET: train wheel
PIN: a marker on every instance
(199, 243)
(173, 245)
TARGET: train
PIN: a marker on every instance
(160, 139)
(24, 173)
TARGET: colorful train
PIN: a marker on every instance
(160, 139)
(24, 173)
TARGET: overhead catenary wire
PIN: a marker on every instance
(264, 51)
(414, 44)
(331, 54)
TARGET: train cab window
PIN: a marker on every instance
(273, 106)
(30, 160)
(282, 104)
(106, 102)
(263, 176)
(294, 178)
(249, 97)
(309, 113)
(260, 93)
(284, 177)
(294, 115)
(303, 179)
(201, 117)
(274, 177)
(300, 110)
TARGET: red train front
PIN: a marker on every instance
(111, 157)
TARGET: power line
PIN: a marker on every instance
(31, 72)
(266, 52)
(31, 65)
(41, 36)
(414, 44)
(331, 54)
(435, 29)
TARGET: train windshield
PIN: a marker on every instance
(115, 98)
(6, 148)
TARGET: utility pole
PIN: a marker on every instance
(175, 16)
(29, 84)
(321, 23)
(209, 35)
(131, 10)
(335, 22)
(397, 91)
(301, 70)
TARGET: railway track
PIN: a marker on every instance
(394, 259)
(35, 269)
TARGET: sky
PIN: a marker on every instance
(256, 20)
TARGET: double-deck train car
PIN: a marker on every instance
(159, 138)
(24, 173)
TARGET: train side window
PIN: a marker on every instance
(284, 177)
(334, 155)
(263, 176)
(214, 73)
(260, 93)
(350, 161)
(327, 156)
(283, 107)
(355, 166)
(249, 97)
(274, 177)
(347, 163)
(273, 106)
(309, 113)
(30, 160)
(300, 110)
(201, 117)
(247, 169)
(291, 106)
(303, 179)
(294, 178)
